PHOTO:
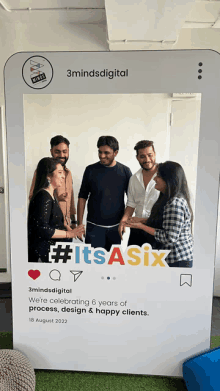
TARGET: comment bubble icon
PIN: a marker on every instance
(55, 275)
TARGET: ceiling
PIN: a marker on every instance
(147, 24)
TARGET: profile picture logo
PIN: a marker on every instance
(37, 72)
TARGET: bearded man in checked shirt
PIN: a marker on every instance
(170, 221)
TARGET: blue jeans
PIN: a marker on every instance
(101, 236)
(139, 237)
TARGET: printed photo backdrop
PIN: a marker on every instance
(167, 119)
(113, 316)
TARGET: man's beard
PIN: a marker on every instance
(148, 169)
(107, 163)
(63, 161)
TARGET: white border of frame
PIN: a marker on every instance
(149, 72)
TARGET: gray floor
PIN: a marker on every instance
(6, 316)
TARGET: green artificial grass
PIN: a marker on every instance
(47, 380)
(215, 342)
(85, 381)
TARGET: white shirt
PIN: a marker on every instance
(140, 198)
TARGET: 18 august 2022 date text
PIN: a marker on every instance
(47, 320)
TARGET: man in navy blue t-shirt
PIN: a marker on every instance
(104, 184)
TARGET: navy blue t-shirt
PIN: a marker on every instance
(105, 187)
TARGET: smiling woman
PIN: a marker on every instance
(45, 218)
(169, 225)
(56, 178)
(160, 184)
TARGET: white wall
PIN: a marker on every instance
(40, 32)
(130, 118)
(184, 132)
(46, 31)
(84, 118)
(37, 31)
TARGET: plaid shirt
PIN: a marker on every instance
(176, 231)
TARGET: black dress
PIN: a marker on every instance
(44, 217)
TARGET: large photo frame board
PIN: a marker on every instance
(177, 302)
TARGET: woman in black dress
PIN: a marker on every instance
(45, 218)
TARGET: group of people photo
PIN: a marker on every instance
(158, 209)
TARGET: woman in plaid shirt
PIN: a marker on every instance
(170, 222)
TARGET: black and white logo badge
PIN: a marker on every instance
(37, 72)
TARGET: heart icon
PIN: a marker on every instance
(34, 274)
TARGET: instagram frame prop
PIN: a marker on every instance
(90, 314)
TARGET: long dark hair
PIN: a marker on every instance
(45, 167)
(176, 186)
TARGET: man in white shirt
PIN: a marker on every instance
(142, 194)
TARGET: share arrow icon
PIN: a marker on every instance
(76, 274)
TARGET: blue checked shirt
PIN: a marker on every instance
(176, 231)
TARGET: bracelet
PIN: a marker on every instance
(73, 222)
